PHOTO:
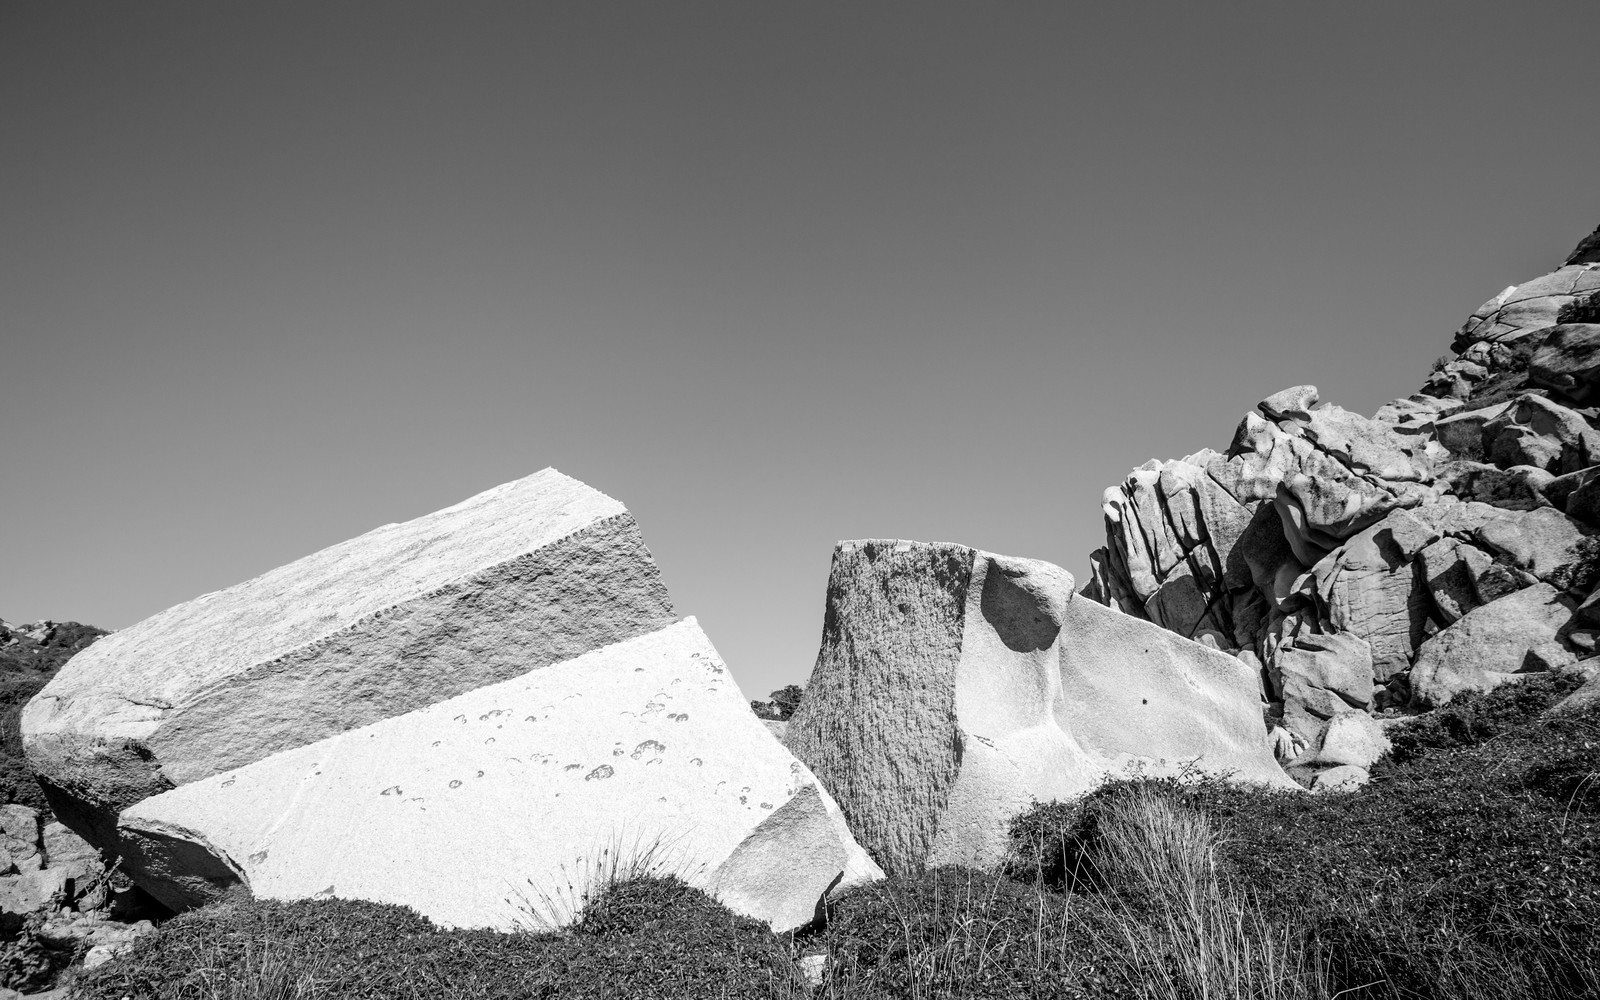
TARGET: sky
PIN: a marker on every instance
(773, 275)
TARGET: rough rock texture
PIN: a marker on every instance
(480, 809)
(51, 868)
(878, 720)
(1569, 294)
(521, 576)
(1367, 587)
(1353, 738)
(1344, 778)
(1395, 529)
(1491, 645)
(956, 686)
(1322, 676)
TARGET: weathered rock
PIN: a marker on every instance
(1547, 544)
(19, 835)
(1583, 503)
(1344, 778)
(1169, 527)
(1520, 487)
(1567, 362)
(1568, 294)
(1369, 588)
(954, 687)
(1419, 416)
(527, 574)
(645, 749)
(1285, 745)
(1323, 676)
(1450, 571)
(1490, 645)
(1581, 700)
(1462, 432)
(1532, 430)
(1560, 489)
(104, 939)
(1353, 738)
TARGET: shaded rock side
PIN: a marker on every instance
(878, 720)
(526, 574)
(496, 808)
(1036, 694)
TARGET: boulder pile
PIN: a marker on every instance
(466, 713)
(1384, 564)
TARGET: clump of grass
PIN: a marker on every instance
(1185, 933)
(583, 888)
(954, 933)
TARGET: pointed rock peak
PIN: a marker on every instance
(1586, 252)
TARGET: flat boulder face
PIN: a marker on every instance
(955, 687)
(493, 808)
(527, 574)
(1494, 644)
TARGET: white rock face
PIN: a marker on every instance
(954, 687)
(524, 575)
(482, 809)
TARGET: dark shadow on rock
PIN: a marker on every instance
(1020, 616)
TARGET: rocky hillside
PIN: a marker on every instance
(29, 656)
(1388, 563)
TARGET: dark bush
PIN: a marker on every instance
(659, 938)
(25, 667)
(955, 932)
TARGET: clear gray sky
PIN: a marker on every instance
(772, 274)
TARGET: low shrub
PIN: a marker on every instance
(1469, 866)
(659, 938)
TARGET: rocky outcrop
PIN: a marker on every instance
(1498, 642)
(1397, 538)
(479, 810)
(955, 686)
(439, 713)
(50, 868)
(527, 574)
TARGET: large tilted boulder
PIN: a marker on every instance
(369, 637)
(954, 687)
(501, 806)
(526, 574)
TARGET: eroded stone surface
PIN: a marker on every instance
(479, 810)
(526, 574)
(955, 687)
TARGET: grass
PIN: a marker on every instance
(1469, 867)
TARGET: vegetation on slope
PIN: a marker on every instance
(1469, 867)
(25, 667)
